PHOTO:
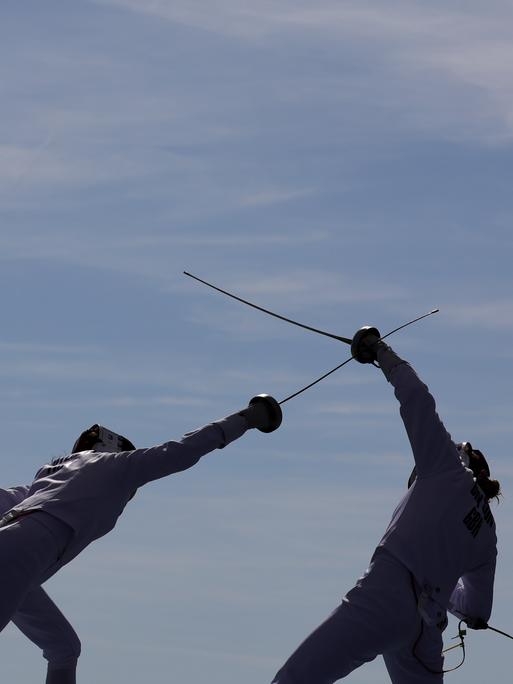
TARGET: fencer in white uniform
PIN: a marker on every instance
(438, 553)
(78, 498)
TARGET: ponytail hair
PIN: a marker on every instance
(481, 470)
(491, 488)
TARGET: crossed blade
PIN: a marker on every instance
(346, 340)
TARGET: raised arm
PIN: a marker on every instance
(43, 623)
(432, 446)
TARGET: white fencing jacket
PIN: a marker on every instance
(442, 529)
(88, 491)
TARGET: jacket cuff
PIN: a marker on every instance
(232, 427)
(388, 360)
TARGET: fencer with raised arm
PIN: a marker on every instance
(437, 554)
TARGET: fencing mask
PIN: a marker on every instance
(100, 438)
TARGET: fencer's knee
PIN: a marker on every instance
(75, 646)
(67, 654)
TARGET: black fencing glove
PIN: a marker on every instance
(367, 347)
(476, 623)
(364, 345)
(263, 413)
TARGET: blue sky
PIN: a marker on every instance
(344, 163)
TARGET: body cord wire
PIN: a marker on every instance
(461, 634)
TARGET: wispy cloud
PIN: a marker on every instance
(355, 408)
(155, 258)
(46, 166)
(267, 512)
(24, 399)
(435, 50)
(258, 238)
(310, 284)
(229, 17)
(265, 198)
(303, 291)
(16, 162)
(232, 18)
(23, 348)
(493, 315)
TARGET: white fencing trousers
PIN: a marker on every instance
(29, 547)
(377, 617)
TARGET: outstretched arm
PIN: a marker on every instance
(12, 496)
(43, 623)
(263, 413)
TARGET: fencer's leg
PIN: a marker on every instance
(346, 640)
(404, 668)
(378, 615)
(61, 675)
(27, 550)
(16, 570)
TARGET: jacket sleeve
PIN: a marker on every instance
(473, 595)
(12, 497)
(171, 457)
(432, 446)
(43, 623)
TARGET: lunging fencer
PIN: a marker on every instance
(78, 498)
(438, 553)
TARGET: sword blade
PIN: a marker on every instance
(410, 323)
(283, 401)
(351, 358)
(306, 327)
(270, 313)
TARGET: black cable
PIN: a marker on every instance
(499, 632)
(414, 647)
